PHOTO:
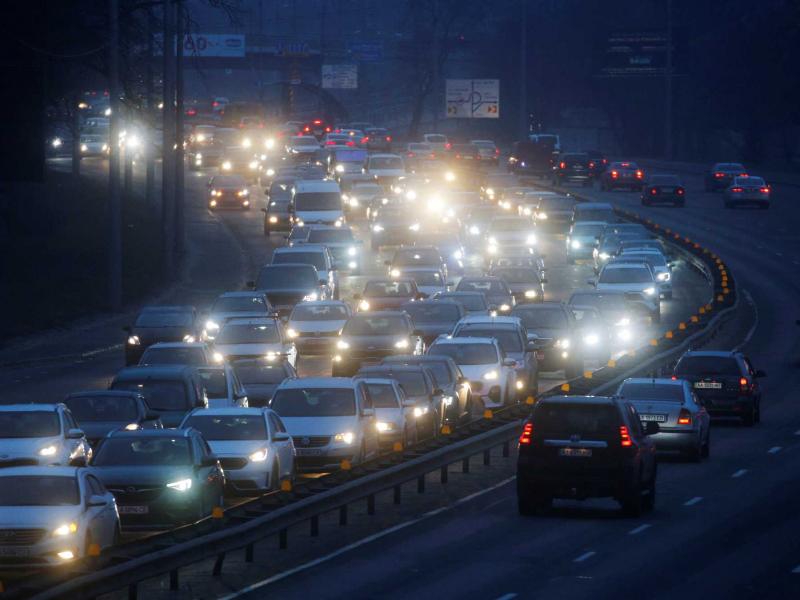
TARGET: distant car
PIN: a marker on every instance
(658, 263)
(663, 189)
(193, 354)
(509, 231)
(387, 294)
(160, 478)
(627, 314)
(583, 447)
(437, 142)
(630, 277)
(370, 336)
(261, 377)
(394, 411)
(252, 446)
(464, 155)
(222, 387)
(344, 248)
(232, 305)
(239, 162)
(41, 434)
(255, 337)
(573, 167)
(419, 155)
(385, 168)
(623, 174)
(287, 284)
(315, 326)
(582, 239)
(378, 139)
(721, 175)
(99, 411)
(597, 162)
(429, 280)
(159, 324)
(554, 213)
(303, 147)
(526, 283)
(317, 201)
(317, 255)
(496, 290)
(416, 257)
(683, 420)
(487, 150)
(277, 213)
(433, 318)
(725, 382)
(593, 333)
(748, 190)
(51, 516)
(552, 326)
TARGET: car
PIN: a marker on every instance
(684, 423)
(206, 154)
(532, 157)
(387, 294)
(553, 214)
(416, 257)
(509, 231)
(378, 139)
(51, 516)
(630, 277)
(222, 387)
(552, 326)
(228, 191)
(337, 140)
(748, 190)
(170, 391)
(496, 290)
(622, 174)
(474, 224)
(393, 226)
(663, 189)
(315, 326)
(346, 161)
(251, 444)
(277, 213)
(464, 155)
(344, 248)
(368, 337)
(449, 248)
(597, 162)
(160, 478)
(434, 317)
(261, 377)
(317, 202)
(593, 334)
(386, 169)
(581, 447)
(302, 147)
(235, 305)
(429, 280)
(487, 150)
(239, 162)
(41, 434)
(437, 142)
(527, 202)
(594, 211)
(582, 239)
(525, 282)
(638, 245)
(627, 314)
(519, 257)
(725, 382)
(329, 421)
(658, 263)
(287, 284)
(473, 302)
(394, 411)
(298, 234)
(317, 255)
(253, 338)
(362, 194)
(481, 359)
(99, 411)
(573, 167)
(419, 156)
(720, 176)
(513, 338)
(608, 248)
(159, 324)
(193, 354)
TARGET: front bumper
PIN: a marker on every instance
(315, 344)
(41, 553)
(328, 458)
(249, 477)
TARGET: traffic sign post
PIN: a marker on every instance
(472, 99)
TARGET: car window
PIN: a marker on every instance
(143, 451)
(651, 391)
(561, 419)
(277, 424)
(29, 424)
(70, 420)
(314, 402)
(95, 487)
(707, 366)
(635, 421)
(228, 427)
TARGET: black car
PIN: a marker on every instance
(664, 189)
(238, 160)
(100, 411)
(597, 162)
(526, 283)
(725, 382)
(495, 289)
(394, 226)
(289, 283)
(432, 318)
(261, 377)
(368, 337)
(554, 213)
(557, 336)
(583, 447)
(624, 174)
(532, 158)
(159, 324)
(228, 191)
(277, 213)
(721, 175)
(573, 167)
(159, 477)
(378, 139)
(474, 303)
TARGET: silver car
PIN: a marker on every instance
(315, 326)
(253, 338)
(684, 423)
(41, 434)
(748, 190)
(394, 411)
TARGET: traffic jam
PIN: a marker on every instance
(412, 286)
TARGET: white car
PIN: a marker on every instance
(50, 516)
(252, 338)
(510, 232)
(315, 326)
(329, 421)
(41, 434)
(252, 445)
(491, 375)
(629, 277)
(222, 386)
(396, 419)
(657, 261)
(385, 168)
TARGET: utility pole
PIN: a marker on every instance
(147, 144)
(435, 71)
(523, 70)
(179, 183)
(168, 144)
(114, 201)
(668, 151)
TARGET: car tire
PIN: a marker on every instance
(749, 419)
(706, 449)
(632, 502)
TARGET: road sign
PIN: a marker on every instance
(341, 77)
(472, 98)
(292, 48)
(212, 44)
(635, 54)
(366, 51)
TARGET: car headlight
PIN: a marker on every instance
(273, 219)
(259, 455)
(269, 144)
(189, 338)
(491, 249)
(253, 165)
(182, 485)
(134, 340)
(414, 227)
(449, 176)
(575, 244)
(48, 451)
(339, 168)
(401, 344)
(395, 272)
(530, 293)
(420, 411)
(338, 223)
(354, 202)
(490, 192)
(591, 339)
(346, 437)
(247, 142)
(504, 307)
(65, 529)
(352, 251)
(291, 333)
(663, 277)
(352, 264)
(242, 193)
(132, 427)
(519, 384)
(56, 143)
(447, 400)
(377, 228)
(217, 357)
(104, 147)
(411, 195)
(201, 137)
(226, 165)
(531, 239)
(624, 334)
(342, 345)
(84, 148)
(474, 230)
(458, 255)
(604, 256)
(310, 297)
(542, 216)
(490, 375)
(492, 240)
(526, 211)
(563, 343)
(624, 322)
(384, 426)
(650, 291)
(363, 305)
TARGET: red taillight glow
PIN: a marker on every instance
(624, 437)
(458, 156)
(317, 122)
(737, 190)
(591, 165)
(639, 174)
(680, 191)
(191, 112)
(411, 155)
(653, 191)
(719, 175)
(327, 129)
(350, 143)
(614, 174)
(684, 417)
(448, 145)
(497, 151)
(365, 139)
(527, 434)
(215, 104)
(743, 382)
(674, 378)
(562, 165)
(388, 138)
(330, 143)
(764, 190)
(306, 128)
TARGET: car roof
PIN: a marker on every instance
(456, 293)
(380, 313)
(375, 380)
(39, 471)
(437, 301)
(384, 155)
(289, 266)
(323, 303)
(153, 372)
(465, 340)
(402, 368)
(413, 358)
(318, 382)
(154, 433)
(596, 400)
(252, 321)
(655, 381)
(625, 265)
(489, 320)
(320, 185)
(30, 407)
(302, 248)
(104, 394)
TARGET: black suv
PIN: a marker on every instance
(586, 446)
(725, 382)
(574, 166)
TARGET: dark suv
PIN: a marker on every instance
(725, 382)
(582, 447)
(573, 167)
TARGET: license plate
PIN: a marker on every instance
(309, 452)
(133, 510)
(14, 551)
(655, 418)
(708, 385)
(576, 452)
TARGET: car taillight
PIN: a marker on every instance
(330, 143)
(433, 155)
(639, 174)
(448, 146)
(317, 122)
(605, 161)
(365, 139)
(719, 175)
(737, 189)
(306, 128)
(497, 151)
(764, 190)
(350, 143)
(562, 165)
(411, 155)
(458, 156)
(744, 384)
(388, 138)
(624, 437)
(327, 130)
(653, 191)
(614, 174)
(591, 165)
(684, 417)
(680, 191)
(743, 175)
(527, 434)
(674, 378)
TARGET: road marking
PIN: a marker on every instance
(693, 501)
(639, 529)
(362, 542)
(796, 570)
(739, 473)
(774, 450)
(779, 254)
(796, 432)
(752, 330)
(507, 596)
(585, 556)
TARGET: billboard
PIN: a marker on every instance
(339, 77)
(213, 44)
(635, 54)
(472, 98)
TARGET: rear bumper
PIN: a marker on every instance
(673, 440)
(589, 483)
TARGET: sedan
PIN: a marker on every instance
(748, 190)
(664, 189)
(371, 336)
(622, 175)
(253, 338)
(387, 294)
(720, 176)
(315, 326)
(394, 411)
(228, 191)
(261, 377)
(100, 411)
(525, 283)
(41, 434)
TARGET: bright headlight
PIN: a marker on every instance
(253, 164)
(351, 251)
(291, 333)
(247, 142)
(562, 343)
(458, 255)
(531, 239)
(342, 345)
(604, 255)
(649, 291)
(474, 230)
(134, 340)
(401, 344)
(623, 322)
(269, 143)
(189, 339)
(414, 227)
(526, 211)
(56, 143)
(339, 168)
(84, 148)
(201, 137)
(132, 427)
(624, 334)
(346, 437)
(411, 195)
(377, 228)
(181, 485)
(384, 426)
(273, 219)
(542, 216)
(447, 400)
(226, 165)
(504, 307)
(363, 305)
(66, 555)
(591, 339)
(395, 272)
(575, 244)
(217, 357)
(449, 176)
(663, 277)
(310, 297)
(530, 293)
(490, 375)
(65, 529)
(420, 411)
(259, 455)
(490, 192)
(270, 172)
(492, 240)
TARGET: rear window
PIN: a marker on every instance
(652, 391)
(193, 357)
(159, 395)
(707, 366)
(586, 420)
(315, 258)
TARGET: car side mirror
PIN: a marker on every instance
(367, 412)
(281, 436)
(75, 434)
(96, 500)
(209, 461)
(652, 428)
(759, 373)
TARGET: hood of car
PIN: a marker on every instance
(155, 475)
(24, 447)
(316, 326)
(35, 517)
(476, 372)
(362, 342)
(236, 447)
(308, 426)
(261, 349)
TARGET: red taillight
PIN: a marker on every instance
(743, 175)
(624, 437)
(365, 139)
(764, 190)
(744, 383)
(306, 128)
(684, 417)
(737, 190)
(388, 138)
(674, 378)
(448, 145)
(350, 143)
(605, 161)
(433, 155)
(411, 155)
(458, 156)
(497, 151)
(653, 191)
(527, 434)
(191, 112)
(680, 191)
(719, 175)
(562, 165)
(614, 174)
(330, 143)
(317, 122)
(215, 104)
(327, 130)
(591, 165)
(639, 174)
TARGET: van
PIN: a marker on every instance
(317, 202)
(594, 211)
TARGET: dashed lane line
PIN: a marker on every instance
(739, 473)
(693, 501)
(585, 556)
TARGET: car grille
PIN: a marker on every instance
(21, 537)
(311, 441)
(282, 299)
(135, 494)
(232, 463)
(318, 334)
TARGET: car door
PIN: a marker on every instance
(647, 448)
(367, 423)
(208, 476)
(104, 520)
(285, 448)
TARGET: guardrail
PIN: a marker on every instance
(273, 514)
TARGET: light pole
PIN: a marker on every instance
(114, 201)
(523, 69)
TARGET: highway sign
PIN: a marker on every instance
(458, 94)
(341, 77)
(212, 44)
(472, 98)
(366, 51)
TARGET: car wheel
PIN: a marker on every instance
(706, 449)
(631, 502)
(749, 419)
(274, 477)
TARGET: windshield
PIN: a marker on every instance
(314, 402)
(276, 278)
(314, 257)
(317, 201)
(433, 312)
(322, 312)
(228, 181)
(245, 333)
(260, 373)
(366, 191)
(229, 427)
(382, 395)
(367, 325)
(487, 286)
(143, 452)
(336, 236)
(484, 145)
(394, 162)
(415, 257)
(164, 319)
(357, 156)
(426, 277)
(541, 318)
(239, 304)
(159, 395)
(38, 490)
(594, 214)
(651, 258)
(174, 356)
(412, 382)
(512, 224)
(588, 229)
(625, 276)
(508, 339)
(651, 391)
(384, 289)
(304, 141)
(471, 302)
(707, 366)
(102, 408)
(585, 420)
(467, 354)
(556, 204)
(215, 382)
(517, 275)
(299, 233)
(29, 424)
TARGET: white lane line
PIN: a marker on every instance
(739, 473)
(779, 254)
(753, 328)
(796, 432)
(362, 542)
(796, 570)
(508, 596)
(774, 450)
(639, 529)
(693, 501)
(585, 556)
